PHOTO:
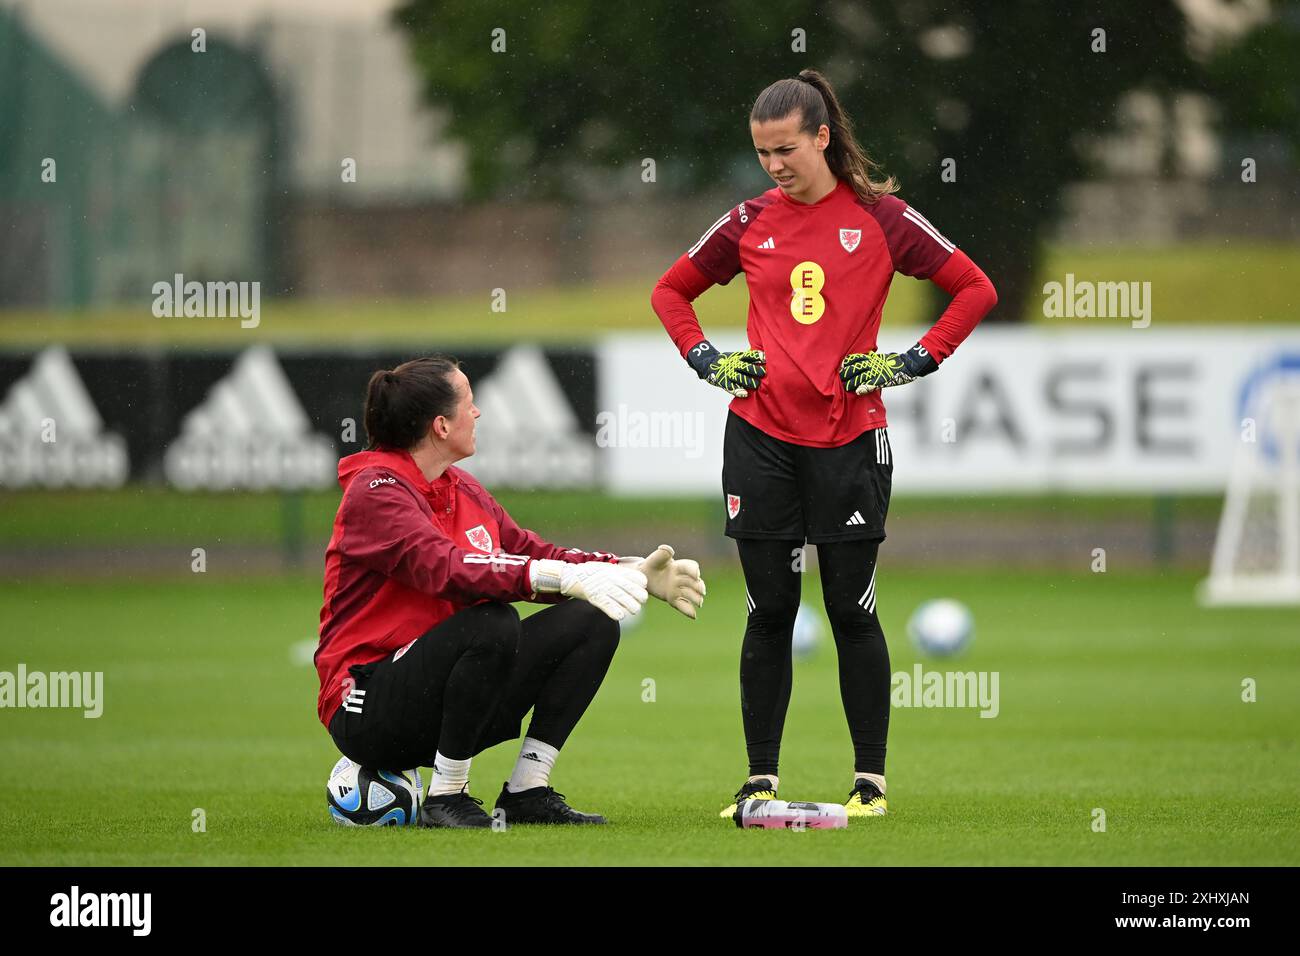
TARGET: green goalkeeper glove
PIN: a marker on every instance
(864, 372)
(737, 373)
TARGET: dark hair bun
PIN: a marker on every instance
(401, 402)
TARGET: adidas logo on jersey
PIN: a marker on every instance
(250, 432)
(769, 244)
(51, 434)
(856, 519)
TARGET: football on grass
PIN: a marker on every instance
(361, 797)
(941, 628)
(808, 629)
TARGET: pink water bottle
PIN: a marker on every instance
(780, 815)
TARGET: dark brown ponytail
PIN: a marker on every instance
(811, 96)
(401, 402)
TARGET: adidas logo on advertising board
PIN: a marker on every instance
(528, 435)
(51, 434)
(250, 432)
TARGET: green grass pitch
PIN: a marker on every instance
(1116, 692)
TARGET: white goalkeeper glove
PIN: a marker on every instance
(675, 581)
(617, 590)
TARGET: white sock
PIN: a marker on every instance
(776, 782)
(877, 778)
(449, 776)
(534, 766)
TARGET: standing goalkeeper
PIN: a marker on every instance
(423, 662)
(806, 456)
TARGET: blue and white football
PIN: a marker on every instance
(941, 628)
(360, 797)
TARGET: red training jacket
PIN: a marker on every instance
(407, 554)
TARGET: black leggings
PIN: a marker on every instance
(773, 571)
(467, 684)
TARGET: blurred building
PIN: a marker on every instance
(166, 160)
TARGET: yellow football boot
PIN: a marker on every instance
(866, 800)
(760, 789)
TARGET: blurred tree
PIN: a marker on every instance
(1008, 90)
(1257, 80)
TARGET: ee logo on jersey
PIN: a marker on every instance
(806, 302)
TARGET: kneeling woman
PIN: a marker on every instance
(422, 660)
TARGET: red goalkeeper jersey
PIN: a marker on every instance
(818, 275)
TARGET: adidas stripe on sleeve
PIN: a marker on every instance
(717, 252)
(917, 247)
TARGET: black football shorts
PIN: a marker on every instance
(775, 489)
(392, 718)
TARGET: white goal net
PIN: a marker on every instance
(1257, 552)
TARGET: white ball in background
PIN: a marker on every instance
(631, 622)
(941, 628)
(809, 628)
